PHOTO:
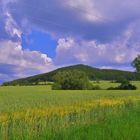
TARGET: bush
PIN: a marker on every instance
(96, 87)
(56, 86)
(125, 85)
(121, 79)
(71, 80)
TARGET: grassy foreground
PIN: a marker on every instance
(38, 113)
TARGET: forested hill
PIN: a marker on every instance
(92, 73)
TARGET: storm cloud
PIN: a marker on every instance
(87, 19)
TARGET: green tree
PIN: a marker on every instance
(126, 85)
(71, 80)
(136, 63)
(121, 79)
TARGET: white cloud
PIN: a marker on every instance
(11, 26)
(118, 52)
(12, 53)
(110, 10)
(125, 68)
(86, 9)
(19, 62)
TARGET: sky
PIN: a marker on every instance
(38, 36)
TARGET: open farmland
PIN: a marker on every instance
(106, 84)
(38, 113)
(69, 70)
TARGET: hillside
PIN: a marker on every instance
(92, 73)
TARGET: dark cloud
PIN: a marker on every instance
(57, 17)
(3, 34)
(7, 69)
(10, 72)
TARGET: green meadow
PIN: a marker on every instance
(39, 113)
(106, 84)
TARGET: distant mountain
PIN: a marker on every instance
(92, 73)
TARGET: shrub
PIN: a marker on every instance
(56, 86)
(96, 87)
(71, 80)
(121, 79)
(125, 85)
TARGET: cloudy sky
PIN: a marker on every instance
(37, 36)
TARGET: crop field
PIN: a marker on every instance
(39, 113)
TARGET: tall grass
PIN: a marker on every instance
(36, 113)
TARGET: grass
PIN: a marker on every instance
(107, 84)
(38, 113)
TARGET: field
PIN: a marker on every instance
(39, 113)
(107, 84)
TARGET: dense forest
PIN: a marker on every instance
(92, 73)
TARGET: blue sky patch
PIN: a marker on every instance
(39, 41)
